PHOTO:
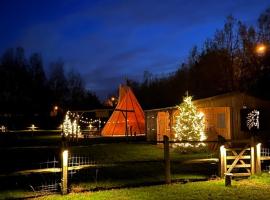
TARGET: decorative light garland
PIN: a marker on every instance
(71, 126)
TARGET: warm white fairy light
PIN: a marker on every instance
(3, 128)
(67, 125)
(74, 127)
(71, 123)
(32, 127)
(189, 124)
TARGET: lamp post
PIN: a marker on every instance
(260, 51)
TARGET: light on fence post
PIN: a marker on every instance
(222, 149)
(65, 158)
(64, 172)
(222, 161)
(252, 155)
(258, 158)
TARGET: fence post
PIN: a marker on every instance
(252, 155)
(258, 158)
(64, 180)
(167, 159)
(222, 161)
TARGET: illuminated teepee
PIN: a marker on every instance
(189, 124)
(127, 118)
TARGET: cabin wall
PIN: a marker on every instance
(151, 126)
(217, 122)
(222, 115)
(163, 125)
(236, 103)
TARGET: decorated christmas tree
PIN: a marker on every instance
(189, 124)
(67, 125)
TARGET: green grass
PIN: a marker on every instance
(128, 152)
(141, 163)
(135, 164)
(27, 139)
(130, 174)
(253, 188)
(15, 194)
(132, 164)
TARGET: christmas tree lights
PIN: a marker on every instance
(67, 125)
(189, 124)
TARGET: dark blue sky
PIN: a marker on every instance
(107, 41)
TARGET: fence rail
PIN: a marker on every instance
(48, 188)
(235, 158)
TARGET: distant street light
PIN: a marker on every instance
(113, 101)
(54, 111)
(55, 108)
(261, 49)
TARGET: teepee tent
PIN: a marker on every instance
(127, 118)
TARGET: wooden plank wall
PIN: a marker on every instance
(230, 104)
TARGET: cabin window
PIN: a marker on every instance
(221, 120)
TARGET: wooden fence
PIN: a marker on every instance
(236, 157)
(240, 161)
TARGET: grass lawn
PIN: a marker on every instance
(135, 164)
(127, 152)
(129, 164)
(253, 188)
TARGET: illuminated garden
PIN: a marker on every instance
(112, 100)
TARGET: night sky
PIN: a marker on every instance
(107, 41)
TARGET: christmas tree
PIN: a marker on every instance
(189, 124)
(67, 125)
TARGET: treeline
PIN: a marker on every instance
(227, 62)
(25, 87)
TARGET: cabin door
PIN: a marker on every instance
(163, 122)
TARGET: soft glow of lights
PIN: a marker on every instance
(260, 49)
(67, 125)
(222, 150)
(259, 145)
(65, 158)
(74, 126)
(189, 124)
(3, 129)
(70, 125)
(33, 127)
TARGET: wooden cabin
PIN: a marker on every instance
(222, 117)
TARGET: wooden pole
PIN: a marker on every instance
(258, 158)
(167, 159)
(225, 161)
(64, 180)
(228, 179)
(222, 161)
(252, 155)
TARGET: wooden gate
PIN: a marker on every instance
(240, 161)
